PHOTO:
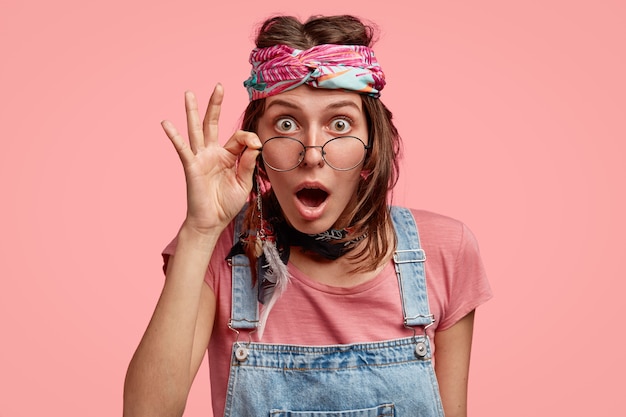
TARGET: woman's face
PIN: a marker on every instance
(314, 197)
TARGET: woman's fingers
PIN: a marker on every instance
(247, 163)
(218, 177)
(194, 128)
(180, 144)
(246, 146)
(202, 150)
(198, 139)
(242, 140)
(212, 115)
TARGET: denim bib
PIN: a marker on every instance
(386, 378)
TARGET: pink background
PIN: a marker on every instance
(513, 120)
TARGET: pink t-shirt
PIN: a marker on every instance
(310, 313)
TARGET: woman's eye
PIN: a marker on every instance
(285, 125)
(340, 125)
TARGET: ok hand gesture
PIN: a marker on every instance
(219, 179)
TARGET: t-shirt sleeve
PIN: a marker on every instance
(169, 251)
(467, 286)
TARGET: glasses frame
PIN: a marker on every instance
(322, 151)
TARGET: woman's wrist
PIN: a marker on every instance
(202, 238)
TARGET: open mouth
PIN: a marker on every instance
(312, 197)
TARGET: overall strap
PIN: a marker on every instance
(244, 305)
(409, 260)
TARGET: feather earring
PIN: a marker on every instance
(273, 274)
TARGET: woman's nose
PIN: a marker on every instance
(313, 152)
(313, 156)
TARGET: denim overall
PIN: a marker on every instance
(387, 378)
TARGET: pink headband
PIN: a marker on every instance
(279, 68)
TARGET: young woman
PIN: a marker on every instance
(311, 294)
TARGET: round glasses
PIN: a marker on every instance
(342, 153)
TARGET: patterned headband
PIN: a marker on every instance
(280, 68)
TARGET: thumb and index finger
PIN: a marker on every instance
(245, 145)
(210, 127)
(203, 134)
(211, 123)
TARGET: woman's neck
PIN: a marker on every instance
(341, 272)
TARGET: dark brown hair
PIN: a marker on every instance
(371, 214)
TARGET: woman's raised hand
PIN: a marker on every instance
(219, 179)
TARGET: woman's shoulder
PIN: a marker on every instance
(443, 233)
(426, 216)
(457, 278)
(428, 221)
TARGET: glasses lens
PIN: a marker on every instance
(282, 153)
(344, 152)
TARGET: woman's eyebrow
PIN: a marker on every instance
(295, 106)
(285, 103)
(343, 103)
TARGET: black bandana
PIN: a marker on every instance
(330, 244)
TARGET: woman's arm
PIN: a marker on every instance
(219, 180)
(452, 359)
(167, 359)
